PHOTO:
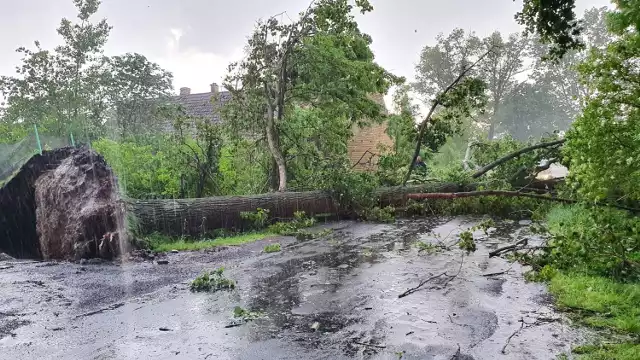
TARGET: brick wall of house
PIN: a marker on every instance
(364, 148)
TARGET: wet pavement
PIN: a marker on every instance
(330, 298)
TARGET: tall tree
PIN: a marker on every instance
(603, 146)
(51, 88)
(132, 86)
(531, 110)
(441, 63)
(306, 63)
(73, 87)
(504, 62)
(561, 77)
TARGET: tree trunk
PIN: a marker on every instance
(277, 155)
(202, 178)
(272, 141)
(492, 126)
(197, 216)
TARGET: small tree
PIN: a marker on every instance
(305, 63)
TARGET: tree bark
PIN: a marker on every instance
(272, 142)
(195, 217)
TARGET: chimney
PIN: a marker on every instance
(185, 91)
(215, 88)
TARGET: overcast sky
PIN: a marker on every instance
(196, 39)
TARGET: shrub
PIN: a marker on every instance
(212, 281)
(257, 219)
(385, 214)
(271, 248)
(596, 241)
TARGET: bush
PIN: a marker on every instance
(256, 220)
(212, 281)
(143, 171)
(596, 241)
(271, 248)
(385, 214)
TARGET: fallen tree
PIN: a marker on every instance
(18, 236)
(466, 194)
(62, 204)
(195, 217)
(514, 155)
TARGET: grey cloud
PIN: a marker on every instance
(400, 28)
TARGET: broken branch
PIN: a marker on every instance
(499, 251)
(466, 194)
(504, 348)
(436, 102)
(515, 154)
(424, 282)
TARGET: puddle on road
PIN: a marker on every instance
(342, 299)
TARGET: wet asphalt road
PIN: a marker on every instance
(329, 298)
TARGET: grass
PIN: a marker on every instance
(599, 302)
(162, 243)
(271, 248)
(608, 352)
(246, 315)
(212, 281)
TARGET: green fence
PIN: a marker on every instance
(14, 155)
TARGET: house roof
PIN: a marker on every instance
(200, 105)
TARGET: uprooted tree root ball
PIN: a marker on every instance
(68, 208)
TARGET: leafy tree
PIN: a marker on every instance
(555, 22)
(314, 147)
(504, 62)
(440, 65)
(560, 78)
(144, 171)
(305, 63)
(603, 147)
(403, 131)
(74, 88)
(129, 83)
(243, 168)
(200, 143)
(52, 88)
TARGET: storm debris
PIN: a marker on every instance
(449, 278)
(108, 308)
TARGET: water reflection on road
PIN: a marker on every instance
(329, 298)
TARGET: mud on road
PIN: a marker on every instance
(331, 298)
